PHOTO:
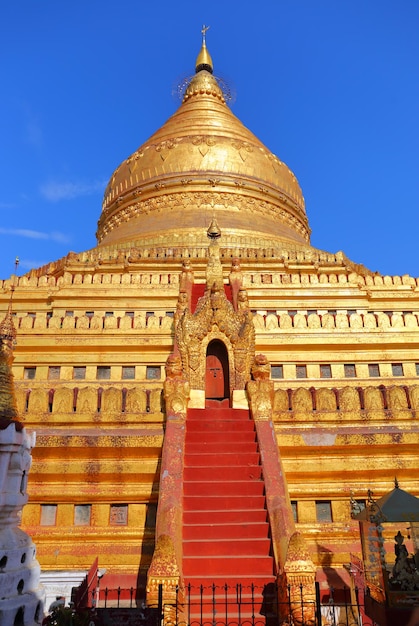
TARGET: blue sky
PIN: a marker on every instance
(330, 86)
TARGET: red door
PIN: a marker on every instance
(217, 384)
(214, 379)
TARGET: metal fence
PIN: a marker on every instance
(237, 605)
(260, 606)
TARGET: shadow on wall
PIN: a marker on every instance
(336, 584)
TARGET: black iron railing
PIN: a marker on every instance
(224, 605)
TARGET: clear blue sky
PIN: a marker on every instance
(330, 86)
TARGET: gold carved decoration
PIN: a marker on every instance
(165, 568)
(287, 210)
(163, 564)
(236, 280)
(215, 318)
(164, 571)
(261, 389)
(299, 578)
(176, 388)
(186, 280)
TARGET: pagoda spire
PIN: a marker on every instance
(203, 60)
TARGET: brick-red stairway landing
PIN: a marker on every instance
(225, 527)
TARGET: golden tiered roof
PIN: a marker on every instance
(202, 163)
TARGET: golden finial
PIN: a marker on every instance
(203, 60)
(214, 231)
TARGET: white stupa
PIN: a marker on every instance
(21, 594)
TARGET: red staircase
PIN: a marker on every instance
(225, 527)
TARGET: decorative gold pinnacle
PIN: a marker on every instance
(214, 231)
(7, 327)
(203, 60)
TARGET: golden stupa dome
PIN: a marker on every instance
(203, 163)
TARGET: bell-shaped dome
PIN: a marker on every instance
(203, 163)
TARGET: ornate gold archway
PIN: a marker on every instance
(216, 318)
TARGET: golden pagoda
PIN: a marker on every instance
(204, 264)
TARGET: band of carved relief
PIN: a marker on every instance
(226, 200)
(54, 275)
(130, 254)
(271, 322)
(401, 402)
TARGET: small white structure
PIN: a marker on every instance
(60, 584)
(21, 594)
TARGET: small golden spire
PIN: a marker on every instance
(213, 231)
(203, 60)
(7, 327)
(214, 272)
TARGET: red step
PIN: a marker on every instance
(218, 449)
(219, 426)
(226, 547)
(219, 566)
(213, 460)
(225, 531)
(240, 516)
(241, 488)
(221, 437)
(220, 503)
(246, 583)
(217, 415)
(238, 472)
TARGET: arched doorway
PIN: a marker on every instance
(217, 379)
